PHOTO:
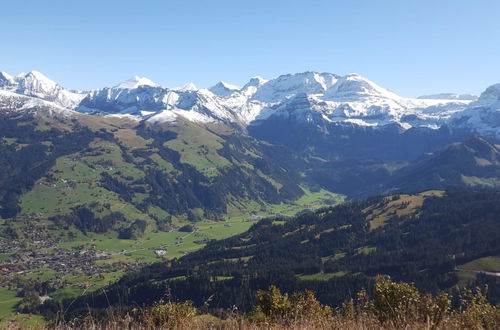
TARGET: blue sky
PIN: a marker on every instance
(410, 47)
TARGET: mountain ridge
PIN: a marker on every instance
(349, 99)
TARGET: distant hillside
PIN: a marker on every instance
(474, 162)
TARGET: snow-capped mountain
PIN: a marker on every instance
(310, 98)
(289, 85)
(223, 89)
(135, 82)
(6, 80)
(483, 115)
(35, 84)
(143, 98)
(13, 104)
(332, 98)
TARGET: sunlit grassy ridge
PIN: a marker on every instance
(199, 149)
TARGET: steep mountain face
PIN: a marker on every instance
(483, 115)
(223, 89)
(6, 79)
(348, 141)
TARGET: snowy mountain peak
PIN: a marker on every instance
(187, 87)
(483, 115)
(288, 85)
(38, 75)
(6, 79)
(354, 86)
(6, 76)
(223, 89)
(256, 81)
(490, 95)
(136, 82)
(36, 83)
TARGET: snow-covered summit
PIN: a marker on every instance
(36, 84)
(189, 86)
(489, 96)
(6, 79)
(355, 87)
(483, 115)
(136, 82)
(256, 81)
(286, 86)
(223, 89)
(329, 97)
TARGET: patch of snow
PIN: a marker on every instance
(146, 113)
(127, 116)
(169, 116)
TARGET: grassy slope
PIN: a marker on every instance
(401, 206)
(198, 147)
(487, 264)
(8, 300)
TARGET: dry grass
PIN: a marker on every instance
(377, 215)
(204, 322)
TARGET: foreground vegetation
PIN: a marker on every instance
(389, 305)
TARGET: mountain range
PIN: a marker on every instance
(309, 98)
